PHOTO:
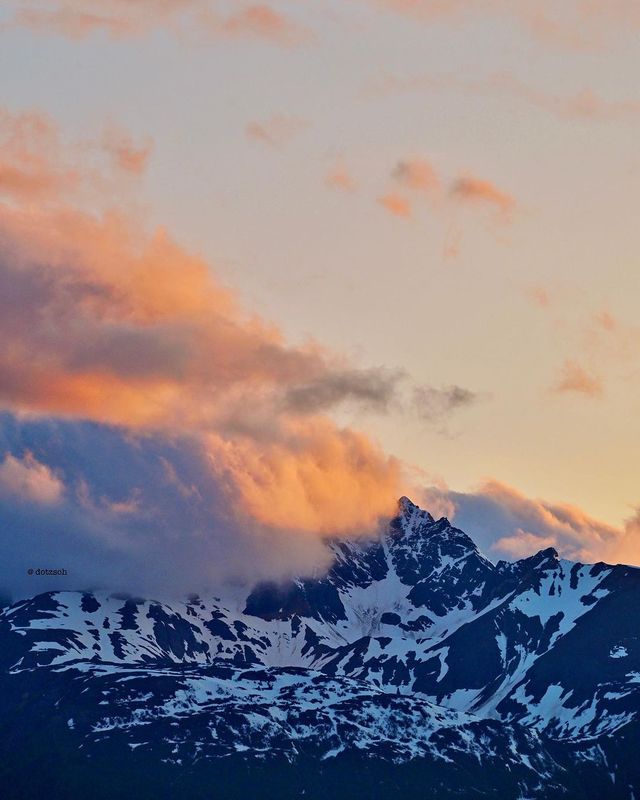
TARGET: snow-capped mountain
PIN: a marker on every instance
(414, 655)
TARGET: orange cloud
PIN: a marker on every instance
(561, 525)
(340, 178)
(37, 164)
(30, 156)
(606, 321)
(78, 19)
(574, 378)
(101, 321)
(126, 154)
(276, 131)
(477, 190)
(540, 296)
(294, 488)
(396, 204)
(573, 24)
(261, 21)
(416, 174)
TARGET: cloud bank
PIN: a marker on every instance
(505, 523)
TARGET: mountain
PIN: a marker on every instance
(414, 667)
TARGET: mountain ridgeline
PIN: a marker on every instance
(413, 668)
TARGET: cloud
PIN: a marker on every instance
(606, 321)
(147, 513)
(316, 479)
(340, 178)
(78, 19)
(573, 24)
(503, 521)
(575, 378)
(29, 480)
(420, 177)
(586, 104)
(127, 155)
(395, 204)
(102, 322)
(31, 164)
(436, 404)
(113, 336)
(275, 131)
(416, 174)
(539, 296)
(477, 190)
(373, 388)
(263, 22)
(39, 166)
(165, 435)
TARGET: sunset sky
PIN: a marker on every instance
(297, 258)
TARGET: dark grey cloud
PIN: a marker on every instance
(375, 389)
(435, 405)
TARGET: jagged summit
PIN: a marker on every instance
(408, 510)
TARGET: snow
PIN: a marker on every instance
(618, 652)
(370, 650)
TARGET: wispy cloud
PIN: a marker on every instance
(38, 165)
(574, 24)
(128, 155)
(506, 522)
(574, 378)
(395, 204)
(436, 404)
(585, 104)
(417, 174)
(341, 178)
(276, 131)
(471, 189)
(373, 388)
(118, 19)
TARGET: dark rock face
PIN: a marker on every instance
(414, 668)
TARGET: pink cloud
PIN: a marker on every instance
(127, 155)
(416, 174)
(573, 24)
(101, 320)
(396, 204)
(276, 131)
(29, 480)
(505, 521)
(340, 178)
(575, 378)
(478, 190)
(78, 19)
(539, 296)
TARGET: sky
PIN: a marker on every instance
(264, 267)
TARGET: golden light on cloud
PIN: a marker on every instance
(126, 328)
(575, 378)
(477, 190)
(396, 204)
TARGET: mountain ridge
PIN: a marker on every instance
(408, 643)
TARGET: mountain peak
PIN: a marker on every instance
(411, 512)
